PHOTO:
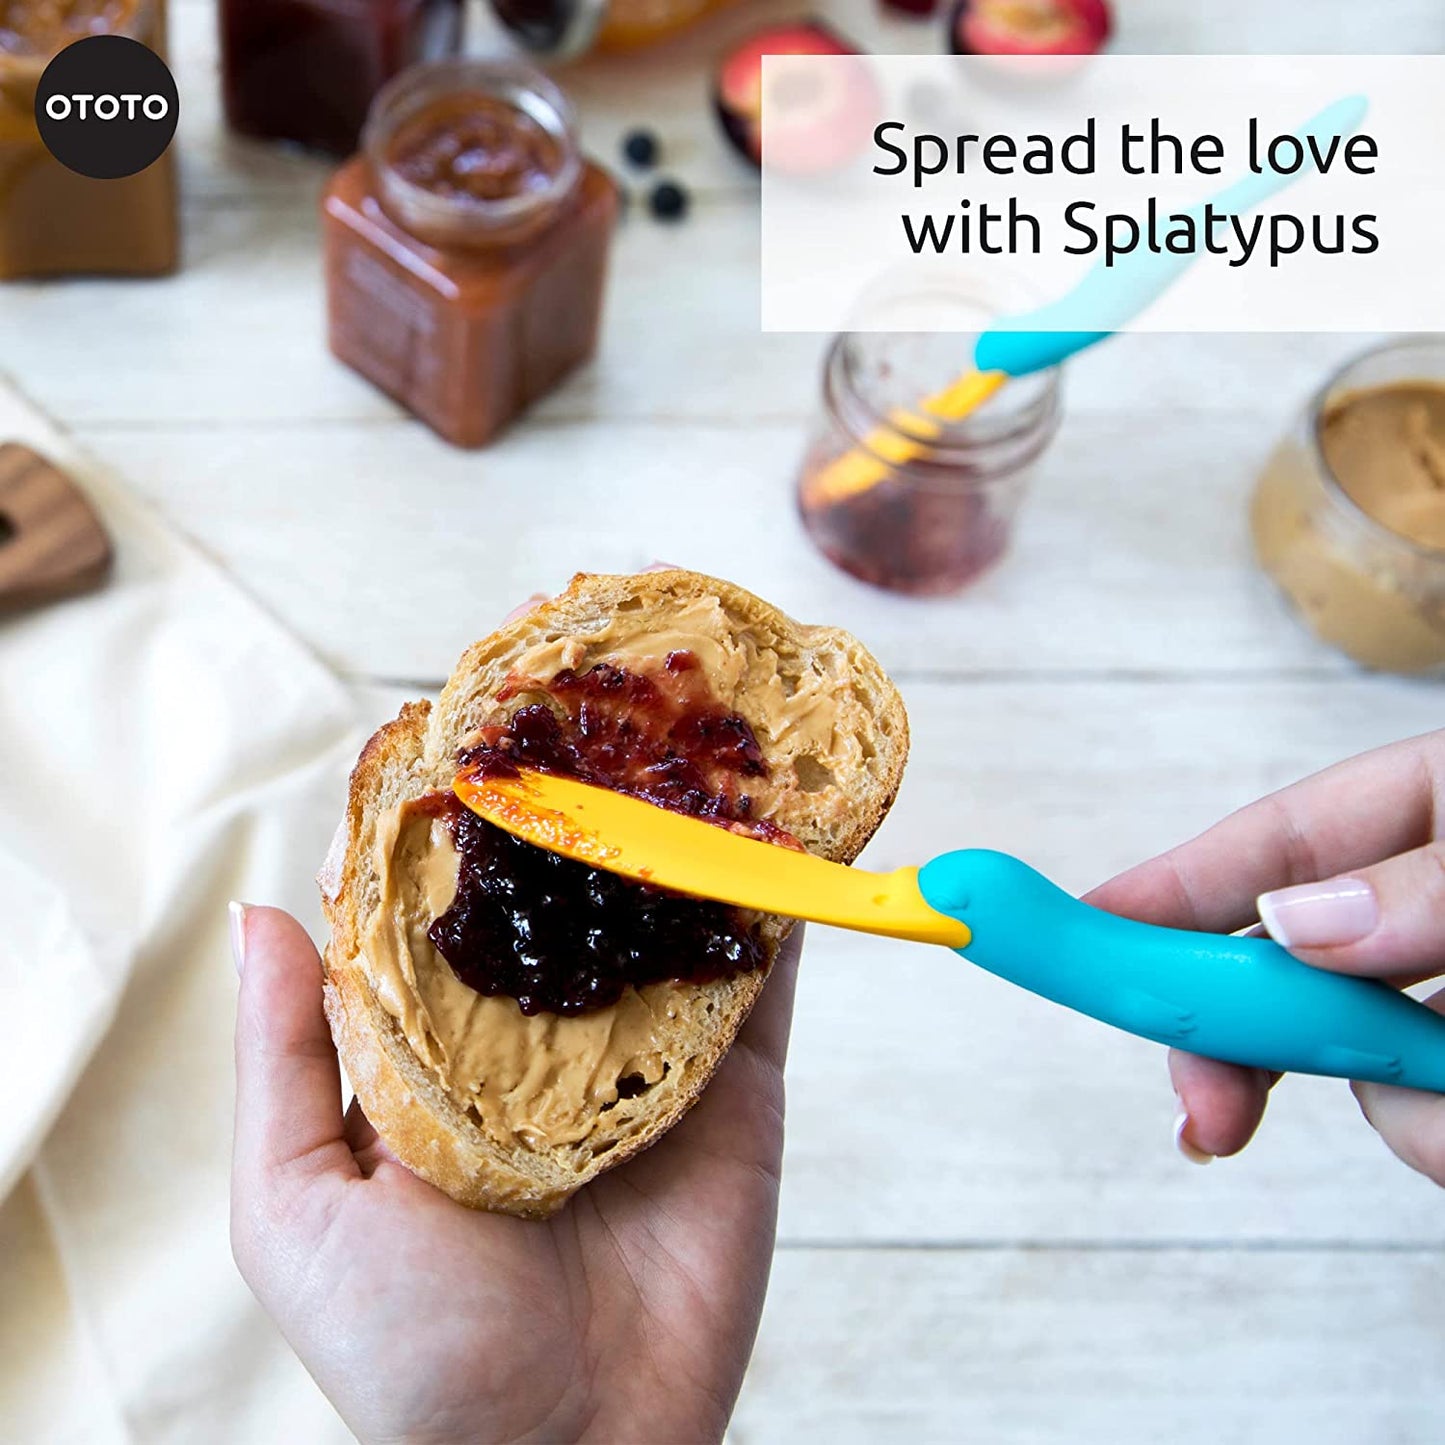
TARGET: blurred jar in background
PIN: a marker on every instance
(1349, 513)
(561, 29)
(466, 247)
(307, 70)
(54, 222)
(894, 496)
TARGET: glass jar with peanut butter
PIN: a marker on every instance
(1349, 513)
(466, 247)
(52, 221)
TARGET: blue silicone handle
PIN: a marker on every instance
(1050, 334)
(1244, 1000)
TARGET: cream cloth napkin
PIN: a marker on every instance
(166, 746)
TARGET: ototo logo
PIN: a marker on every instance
(106, 106)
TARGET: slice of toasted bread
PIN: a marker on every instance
(834, 737)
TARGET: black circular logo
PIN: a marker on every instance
(106, 106)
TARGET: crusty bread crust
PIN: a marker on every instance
(835, 816)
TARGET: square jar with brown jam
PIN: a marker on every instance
(466, 246)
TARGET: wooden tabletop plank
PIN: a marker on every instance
(1133, 1348)
(931, 1103)
(238, 338)
(1132, 553)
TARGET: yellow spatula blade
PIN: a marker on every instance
(654, 845)
(905, 440)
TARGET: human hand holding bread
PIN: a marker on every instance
(630, 1314)
(517, 1025)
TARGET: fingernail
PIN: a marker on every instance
(1181, 1141)
(238, 933)
(1320, 915)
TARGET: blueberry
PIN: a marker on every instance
(668, 201)
(641, 148)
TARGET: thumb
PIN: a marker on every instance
(1387, 921)
(288, 1083)
(1410, 1121)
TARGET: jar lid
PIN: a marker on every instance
(437, 94)
(556, 29)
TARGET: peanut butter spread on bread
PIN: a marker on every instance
(737, 665)
(543, 1080)
(547, 1080)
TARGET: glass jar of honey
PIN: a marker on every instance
(892, 491)
(54, 222)
(561, 29)
(466, 247)
(307, 71)
(1349, 513)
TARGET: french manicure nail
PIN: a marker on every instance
(1320, 915)
(1181, 1142)
(238, 933)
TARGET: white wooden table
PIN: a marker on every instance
(986, 1233)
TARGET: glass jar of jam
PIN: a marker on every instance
(466, 247)
(54, 222)
(1349, 513)
(307, 70)
(561, 29)
(901, 498)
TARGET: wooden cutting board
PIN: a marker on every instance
(52, 544)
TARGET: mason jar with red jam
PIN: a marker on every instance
(898, 496)
(54, 222)
(307, 70)
(466, 246)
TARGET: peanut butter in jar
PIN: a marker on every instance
(1349, 514)
(54, 222)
